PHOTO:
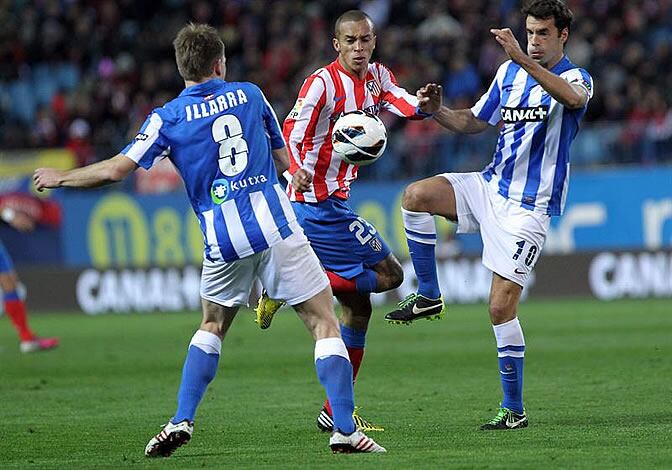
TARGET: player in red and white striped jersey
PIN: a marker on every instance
(356, 258)
(349, 83)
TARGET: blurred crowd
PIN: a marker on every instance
(84, 74)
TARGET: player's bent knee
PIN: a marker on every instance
(501, 312)
(415, 197)
(395, 277)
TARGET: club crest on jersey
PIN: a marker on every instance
(373, 87)
(376, 245)
(524, 114)
(219, 190)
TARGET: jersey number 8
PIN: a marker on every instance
(228, 133)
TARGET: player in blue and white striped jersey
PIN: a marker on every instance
(223, 138)
(537, 100)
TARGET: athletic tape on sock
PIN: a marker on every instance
(330, 347)
(206, 342)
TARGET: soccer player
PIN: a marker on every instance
(14, 305)
(223, 137)
(355, 256)
(537, 99)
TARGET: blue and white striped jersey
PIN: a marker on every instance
(219, 135)
(530, 165)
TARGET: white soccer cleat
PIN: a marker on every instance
(354, 443)
(169, 439)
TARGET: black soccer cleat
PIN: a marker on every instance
(506, 419)
(415, 307)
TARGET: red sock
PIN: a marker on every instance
(356, 356)
(16, 311)
(339, 284)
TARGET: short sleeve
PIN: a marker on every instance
(150, 144)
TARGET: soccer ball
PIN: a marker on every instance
(359, 137)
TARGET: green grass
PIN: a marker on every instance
(598, 391)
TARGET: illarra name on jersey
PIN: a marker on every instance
(216, 105)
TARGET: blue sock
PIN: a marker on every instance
(366, 282)
(353, 338)
(511, 354)
(421, 239)
(511, 372)
(199, 369)
(335, 373)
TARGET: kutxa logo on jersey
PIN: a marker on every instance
(531, 114)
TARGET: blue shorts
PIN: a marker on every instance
(344, 242)
(6, 264)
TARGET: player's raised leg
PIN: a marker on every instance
(200, 367)
(334, 371)
(421, 201)
(504, 298)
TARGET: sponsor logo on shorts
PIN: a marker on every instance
(518, 271)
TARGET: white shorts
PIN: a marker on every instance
(512, 236)
(289, 270)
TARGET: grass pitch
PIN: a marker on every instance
(598, 389)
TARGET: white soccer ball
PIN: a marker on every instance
(359, 137)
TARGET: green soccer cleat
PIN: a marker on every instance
(415, 307)
(266, 310)
(506, 419)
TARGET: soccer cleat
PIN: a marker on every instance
(325, 422)
(506, 419)
(169, 439)
(38, 344)
(266, 309)
(356, 442)
(363, 424)
(415, 307)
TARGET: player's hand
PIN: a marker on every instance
(44, 178)
(430, 98)
(22, 222)
(510, 44)
(302, 180)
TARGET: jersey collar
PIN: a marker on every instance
(204, 88)
(354, 78)
(562, 66)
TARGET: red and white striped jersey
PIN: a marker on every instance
(325, 95)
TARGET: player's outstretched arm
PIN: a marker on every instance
(457, 120)
(569, 95)
(281, 159)
(97, 174)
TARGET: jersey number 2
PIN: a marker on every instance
(228, 133)
(363, 230)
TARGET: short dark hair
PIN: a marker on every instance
(353, 15)
(544, 9)
(197, 48)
